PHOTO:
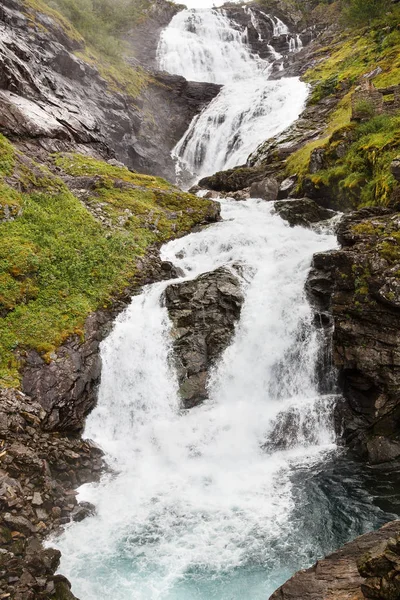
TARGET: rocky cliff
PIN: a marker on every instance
(56, 93)
(358, 287)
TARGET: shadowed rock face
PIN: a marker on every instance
(55, 101)
(358, 286)
(204, 313)
(37, 474)
(337, 577)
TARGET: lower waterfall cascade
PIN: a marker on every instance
(227, 500)
(203, 45)
(196, 506)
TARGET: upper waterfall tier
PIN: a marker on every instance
(206, 45)
(202, 45)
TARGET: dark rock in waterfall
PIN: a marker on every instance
(204, 312)
(287, 187)
(359, 286)
(302, 211)
(66, 387)
(337, 576)
(232, 180)
(267, 189)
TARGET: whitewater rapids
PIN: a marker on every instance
(197, 509)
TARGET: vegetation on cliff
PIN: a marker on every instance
(62, 257)
(354, 157)
(95, 30)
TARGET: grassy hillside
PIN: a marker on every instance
(62, 257)
(357, 156)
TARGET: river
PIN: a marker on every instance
(227, 500)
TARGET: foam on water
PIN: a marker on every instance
(197, 508)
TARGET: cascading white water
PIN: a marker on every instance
(203, 45)
(241, 117)
(200, 505)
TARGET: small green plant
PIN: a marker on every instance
(364, 109)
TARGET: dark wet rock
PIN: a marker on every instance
(358, 286)
(204, 312)
(38, 471)
(266, 189)
(302, 211)
(287, 187)
(337, 577)
(232, 180)
(395, 168)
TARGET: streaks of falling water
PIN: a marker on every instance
(198, 509)
(203, 45)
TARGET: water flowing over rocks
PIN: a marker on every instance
(204, 312)
(66, 388)
(358, 286)
(58, 101)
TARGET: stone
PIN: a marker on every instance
(302, 212)
(267, 189)
(337, 576)
(37, 499)
(357, 286)
(395, 168)
(286, 188)
(204, 312)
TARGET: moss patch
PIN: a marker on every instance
(58, 262)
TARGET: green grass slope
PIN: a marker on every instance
(62, 257)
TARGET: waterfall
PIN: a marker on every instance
(241, 117)
(200, 503)
(203, 45)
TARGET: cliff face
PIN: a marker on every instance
(357, 289)
(55, 94)
(349, 573)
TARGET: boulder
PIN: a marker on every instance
(266, 189)
(337, 577)
(204, 312)
(287, 187)
(302, 211)
(395, 168)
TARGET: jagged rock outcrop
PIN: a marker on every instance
(336, 577)
(358, 287)
(381, 569)
(38, 474)
(302, 211)
(57, 100)
(204, 312)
